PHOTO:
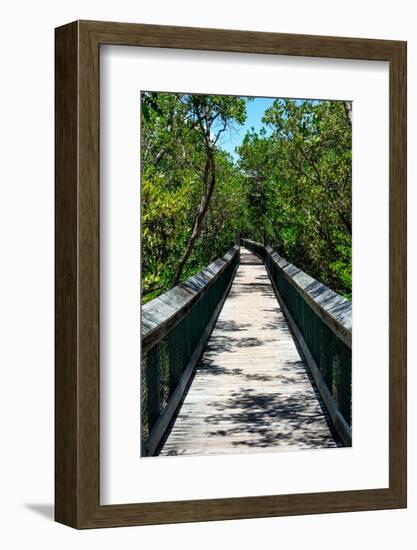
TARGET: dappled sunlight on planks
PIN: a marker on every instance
(251, 390)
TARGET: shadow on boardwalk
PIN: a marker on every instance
(251, 390)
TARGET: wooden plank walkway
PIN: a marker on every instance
(250, 390)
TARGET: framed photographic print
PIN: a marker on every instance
(230, 274)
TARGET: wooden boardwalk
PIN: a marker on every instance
(250, 390)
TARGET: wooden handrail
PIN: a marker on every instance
(162, 314)
(332, 308)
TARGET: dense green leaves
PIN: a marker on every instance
(191, 190)
(291, 186)
(300, 178)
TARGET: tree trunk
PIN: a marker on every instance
(209, 183)
(348, 111)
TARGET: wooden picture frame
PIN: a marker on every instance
(77, 406)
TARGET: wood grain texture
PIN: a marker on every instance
(250, 391)
(77, 274)
(332, 308)
(66, 343)
(398, 274)
(194, 38)
(162, 314)
(339, 423)
(163, 421)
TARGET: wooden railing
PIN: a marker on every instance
(175, 327)
(322, 322)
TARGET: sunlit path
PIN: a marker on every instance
(250, 390)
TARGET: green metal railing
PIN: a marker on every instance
(325, 333)
(172, 326)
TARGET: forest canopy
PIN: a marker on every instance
(287, 183)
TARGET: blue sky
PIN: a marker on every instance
(255, 111)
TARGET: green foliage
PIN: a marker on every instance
(177, 130)
(291, 186)
(299, 180)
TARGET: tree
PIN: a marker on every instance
(211, 116)
(348, 110)
(290, 186)
(301, 174)
(182, 167)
